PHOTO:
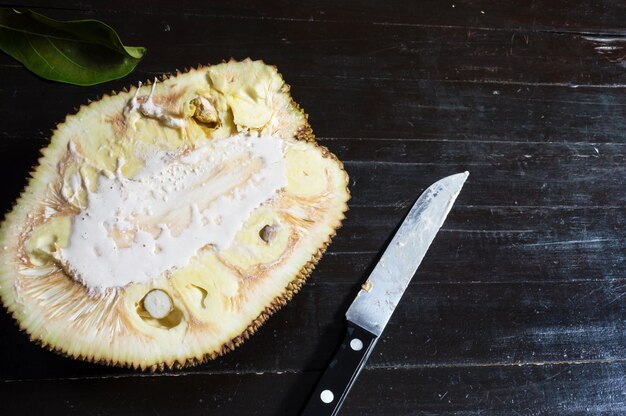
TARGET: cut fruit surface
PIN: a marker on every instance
(164, 224)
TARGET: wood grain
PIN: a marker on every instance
(518, 308)
(587, 16)
(452, 391)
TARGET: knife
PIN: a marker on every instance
(374, 304)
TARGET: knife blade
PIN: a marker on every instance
(373, 306)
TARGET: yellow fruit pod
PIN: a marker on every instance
(165, 224)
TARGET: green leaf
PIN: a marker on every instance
(80, 52)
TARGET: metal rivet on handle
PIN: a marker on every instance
(327, 396)
(356, 344)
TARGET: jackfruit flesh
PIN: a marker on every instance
(164, 224)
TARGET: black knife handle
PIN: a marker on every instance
(333, 387)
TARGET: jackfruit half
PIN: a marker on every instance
(164, 224)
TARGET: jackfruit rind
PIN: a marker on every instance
(221, 295)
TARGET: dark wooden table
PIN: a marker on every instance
(519, 307)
